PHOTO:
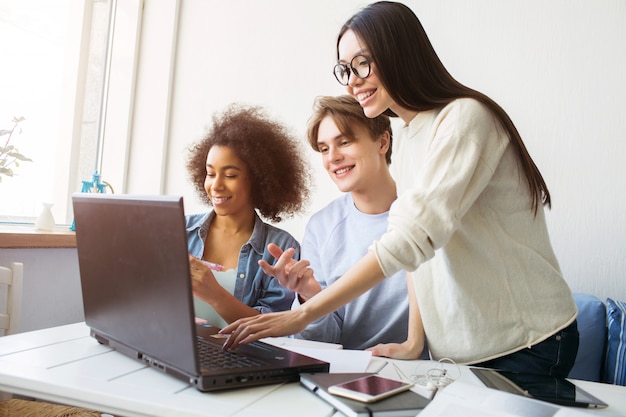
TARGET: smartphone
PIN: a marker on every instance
(369, 389)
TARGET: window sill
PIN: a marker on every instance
(26, 236)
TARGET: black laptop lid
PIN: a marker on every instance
(132, 253)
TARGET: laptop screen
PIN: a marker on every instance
(134, 272)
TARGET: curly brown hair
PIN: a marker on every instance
(278, 170)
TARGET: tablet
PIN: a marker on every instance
(541, 387)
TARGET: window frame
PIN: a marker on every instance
(114, 104)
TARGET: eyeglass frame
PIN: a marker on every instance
(352, 70)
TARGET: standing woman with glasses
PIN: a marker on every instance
(469, 220)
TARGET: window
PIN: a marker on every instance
(53, 55)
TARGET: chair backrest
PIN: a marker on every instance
(12, 277)
(592, 338)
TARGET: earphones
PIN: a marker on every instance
(438, 377)
(434, 378)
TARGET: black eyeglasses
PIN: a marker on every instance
(360, 66)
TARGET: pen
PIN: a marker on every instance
(215, 267)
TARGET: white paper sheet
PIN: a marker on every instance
(341, 360)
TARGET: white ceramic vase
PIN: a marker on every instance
(45, 221)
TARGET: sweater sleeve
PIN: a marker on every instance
(326, 328)
(465, 144)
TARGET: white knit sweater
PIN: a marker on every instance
(486, 277)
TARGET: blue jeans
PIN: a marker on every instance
(554, 356)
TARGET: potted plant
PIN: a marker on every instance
(10, 157)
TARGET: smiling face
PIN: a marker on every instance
(227, 182)
(354, 164)
(370, 92)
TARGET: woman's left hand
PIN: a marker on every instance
(405, 350)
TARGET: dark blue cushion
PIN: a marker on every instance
(615, 365)
(592, 329)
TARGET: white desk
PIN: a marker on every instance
(64, 364)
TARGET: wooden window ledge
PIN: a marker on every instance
(27, 236)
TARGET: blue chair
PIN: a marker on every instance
(593, 336)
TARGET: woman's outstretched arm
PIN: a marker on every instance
(365, 274)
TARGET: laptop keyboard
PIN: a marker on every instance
(213, 358)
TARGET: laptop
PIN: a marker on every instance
(137, 297)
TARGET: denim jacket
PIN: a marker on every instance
(253, 287)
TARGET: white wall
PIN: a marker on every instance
(51, 292)
(557, 67)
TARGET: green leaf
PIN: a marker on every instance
(6, 149)
(20, 157)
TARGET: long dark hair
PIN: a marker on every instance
(416, 79)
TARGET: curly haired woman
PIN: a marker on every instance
(244, 164)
